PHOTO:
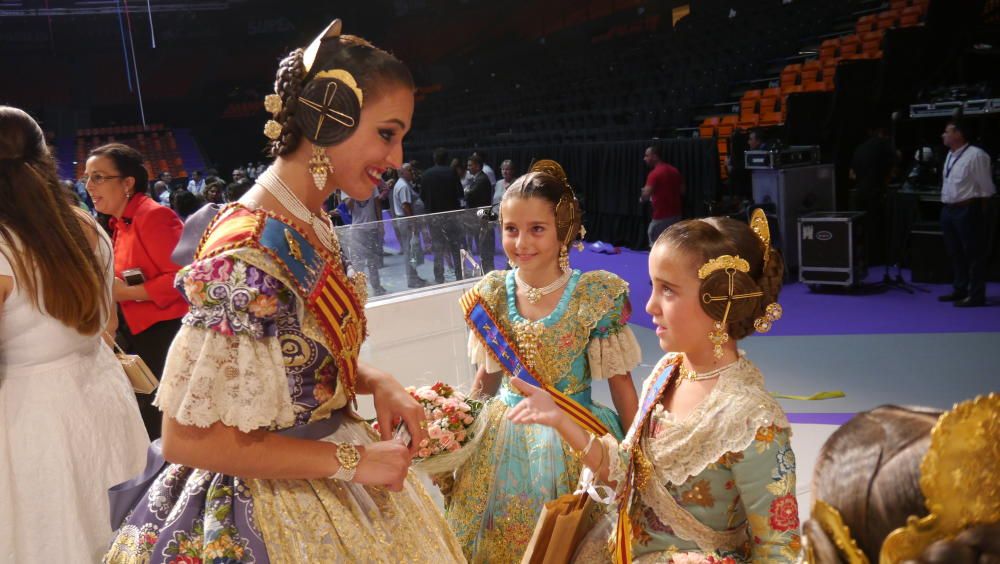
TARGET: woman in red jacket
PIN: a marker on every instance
(145, 233)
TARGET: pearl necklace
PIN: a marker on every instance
(692, 376)
(320, 224)
(534, 294)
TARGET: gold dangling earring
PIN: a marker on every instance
(319, 166)
(564, 258)
(719, 337)
(510, 262)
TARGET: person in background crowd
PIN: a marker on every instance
(184, 203)
(966, 184)
(69, 425)
(197, 183)
(164, 196)
(487, 169)
(664, 189)
(215, 192)
(480, 194)
(406, 203)
(145, 233)
(442, 192)
(507, 172)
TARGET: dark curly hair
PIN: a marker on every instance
(374, 69)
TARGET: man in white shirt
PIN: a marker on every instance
(197, 183)
(965, 184)
(507, 171)
(405, 203)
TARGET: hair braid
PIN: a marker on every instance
(288, 85)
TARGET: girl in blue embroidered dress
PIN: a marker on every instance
(570, 328)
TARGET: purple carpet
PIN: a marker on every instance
(864, 311)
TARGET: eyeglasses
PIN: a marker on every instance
(98, 179)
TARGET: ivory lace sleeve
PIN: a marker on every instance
(225, 363)
(613, 348)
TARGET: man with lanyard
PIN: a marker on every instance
(966, 183)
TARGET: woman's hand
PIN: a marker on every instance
(383, 464)
(537, 407)
(119, 289)
(394, 404)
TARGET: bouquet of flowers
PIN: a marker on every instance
(453, 428)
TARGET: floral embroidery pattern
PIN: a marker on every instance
(700, 494)
(784, 513)
(786, 462)
(231, 297)
(752, 488)
(730, 458)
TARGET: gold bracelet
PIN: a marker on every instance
(349, 457)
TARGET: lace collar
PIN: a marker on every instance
(725, 421)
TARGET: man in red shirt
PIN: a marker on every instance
(664, 187)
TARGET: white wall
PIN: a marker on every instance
(420, 338)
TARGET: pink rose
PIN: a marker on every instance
(454, 446)
(435, 432)
(468, 420)
(424, 452)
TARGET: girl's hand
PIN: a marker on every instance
(537, 407)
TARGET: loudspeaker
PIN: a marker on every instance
(929, 260)
(831, 248)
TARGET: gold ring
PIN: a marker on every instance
(423, 424)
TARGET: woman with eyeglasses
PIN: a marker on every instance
(145, 233)
(69, 425)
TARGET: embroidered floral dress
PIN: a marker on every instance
(499, 492)
(728, 468)
(252, 355)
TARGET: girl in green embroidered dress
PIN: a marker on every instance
(706, 473)
(570, 328)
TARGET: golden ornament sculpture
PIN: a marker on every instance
(958, 477)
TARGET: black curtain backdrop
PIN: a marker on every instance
(608, 178)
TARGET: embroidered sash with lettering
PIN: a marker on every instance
(500, 348)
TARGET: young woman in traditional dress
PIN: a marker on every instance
(267, 460)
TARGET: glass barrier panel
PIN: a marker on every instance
(408, 254)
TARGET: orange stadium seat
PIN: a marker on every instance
(850, 47)
(727, 125)
(749, 109)
(830, 48)
(871, 44)
(708, 125)
(867, 23)
(910, 16)
(791, 75)
(888, 18)
(829, 70)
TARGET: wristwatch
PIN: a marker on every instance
(348, 456)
